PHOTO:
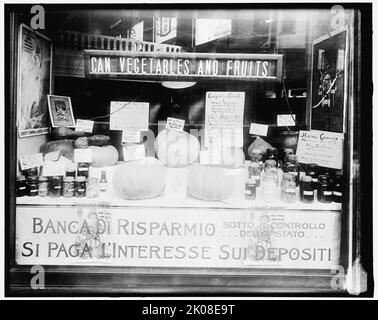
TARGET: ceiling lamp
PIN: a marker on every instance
(177, 84)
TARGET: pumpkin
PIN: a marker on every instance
(232, 157)
(81, 143)
(176, 148)
(65, 148)
(210, 183)
(103, 156)
(98, 140)
(139, 180)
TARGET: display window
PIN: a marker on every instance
(187, 150)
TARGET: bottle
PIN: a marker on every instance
(250, 189)
(103, 181)
(337, 189)
(312, 170)
(257, 157)
(68, 187)
(306, 189)
(324, 189)
(32, 182)
(83, 169)
(92, 187)
(271, 166)
(291, 166)
(56, 186)
(80, 186)
(255, 173)
(288, 188)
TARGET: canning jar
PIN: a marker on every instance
(55, 186)
(292, 166)
(254, 172)
(269, 187)
(337, 189)
(43, 186)
(306, 189)
(288, 188)
(257, 157)
(68, 187)
(271, 166)
(250, 189)
(92, 187)
(71, 170)
(21, 186)
(30, 172)
(80, 186)
(32, 183)
(83, 169)
(312, 170)
(324, 189)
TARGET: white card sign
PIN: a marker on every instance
(321, 147)
(31, 161)
(83, 155)
(258, 129)
(285, 120)
(129, 115)
(52, 156)
(225, 113)
(175, 124)
(84, 125)
(134, 152)
(130, 136)
(54, 168)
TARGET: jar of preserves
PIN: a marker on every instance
(254, 172)
(68, 187)
(250, 189)
(257, 157)
(292, 166)
(337, 189)
(71, 171)
(324, 189)
(271, 154)
(32, 183)
(43, 186)
(56, 186)
(306, 189)
(288, 188)
(283, 153)
(269, 187)
(30, 172)
(21, 186)
(312, 170)
(83, 169)
(92, 187)
(80, 186)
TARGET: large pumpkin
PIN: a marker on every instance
(210, 183)
(176, 149)
(232, 157)
(65, 148)
(103, 156)
(139, 180)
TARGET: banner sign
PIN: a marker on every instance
(162, 237)
(181, 65)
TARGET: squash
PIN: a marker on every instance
(81, 143)
(65, 148)
(139, 180)
(232, 157)
(98, 140)
(103, 156)
(59, 133)
(176, 149)
(210, 183)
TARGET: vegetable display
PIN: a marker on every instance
(65, 147)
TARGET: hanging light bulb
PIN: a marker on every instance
(177, 84)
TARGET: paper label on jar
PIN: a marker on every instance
(315, 180)
(291, 190)
(82, 169)
(248, 192)
(338, 194)
(327, 193)
(308, 193)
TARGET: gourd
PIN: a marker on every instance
(103, 156)
(65, 147)
(81, 143)
(139, 180)
(176, 149)
(210, 183)
(232, 157)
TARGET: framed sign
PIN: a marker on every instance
(33, 82)
(329, 82)
(61, 113)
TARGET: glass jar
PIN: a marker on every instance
(271, 166)
(43, 186)
(92, 187)
(283, 153)
(32, 183)
(250, 189)
(80, 186)
(324, 189)
(337, 189)
(21, 186)
(312, 170)
(254, 172)
(30, 172)
(68, 187)
(269, 187)
(55, 186)
(71, 171)
(288, 188)
(271, 154)
(83, 169)
(257, 157)
(292, 166)
(306, 189)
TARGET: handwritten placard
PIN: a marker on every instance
(129, 115)
(321, 147)
(134, 152)
(175, 124)
(130, 136)
(52, 156)
(31, 161)
(258, 129)
(285, 120)
(54, 168)
(224, 114)
(84, 125)
(83, 155)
